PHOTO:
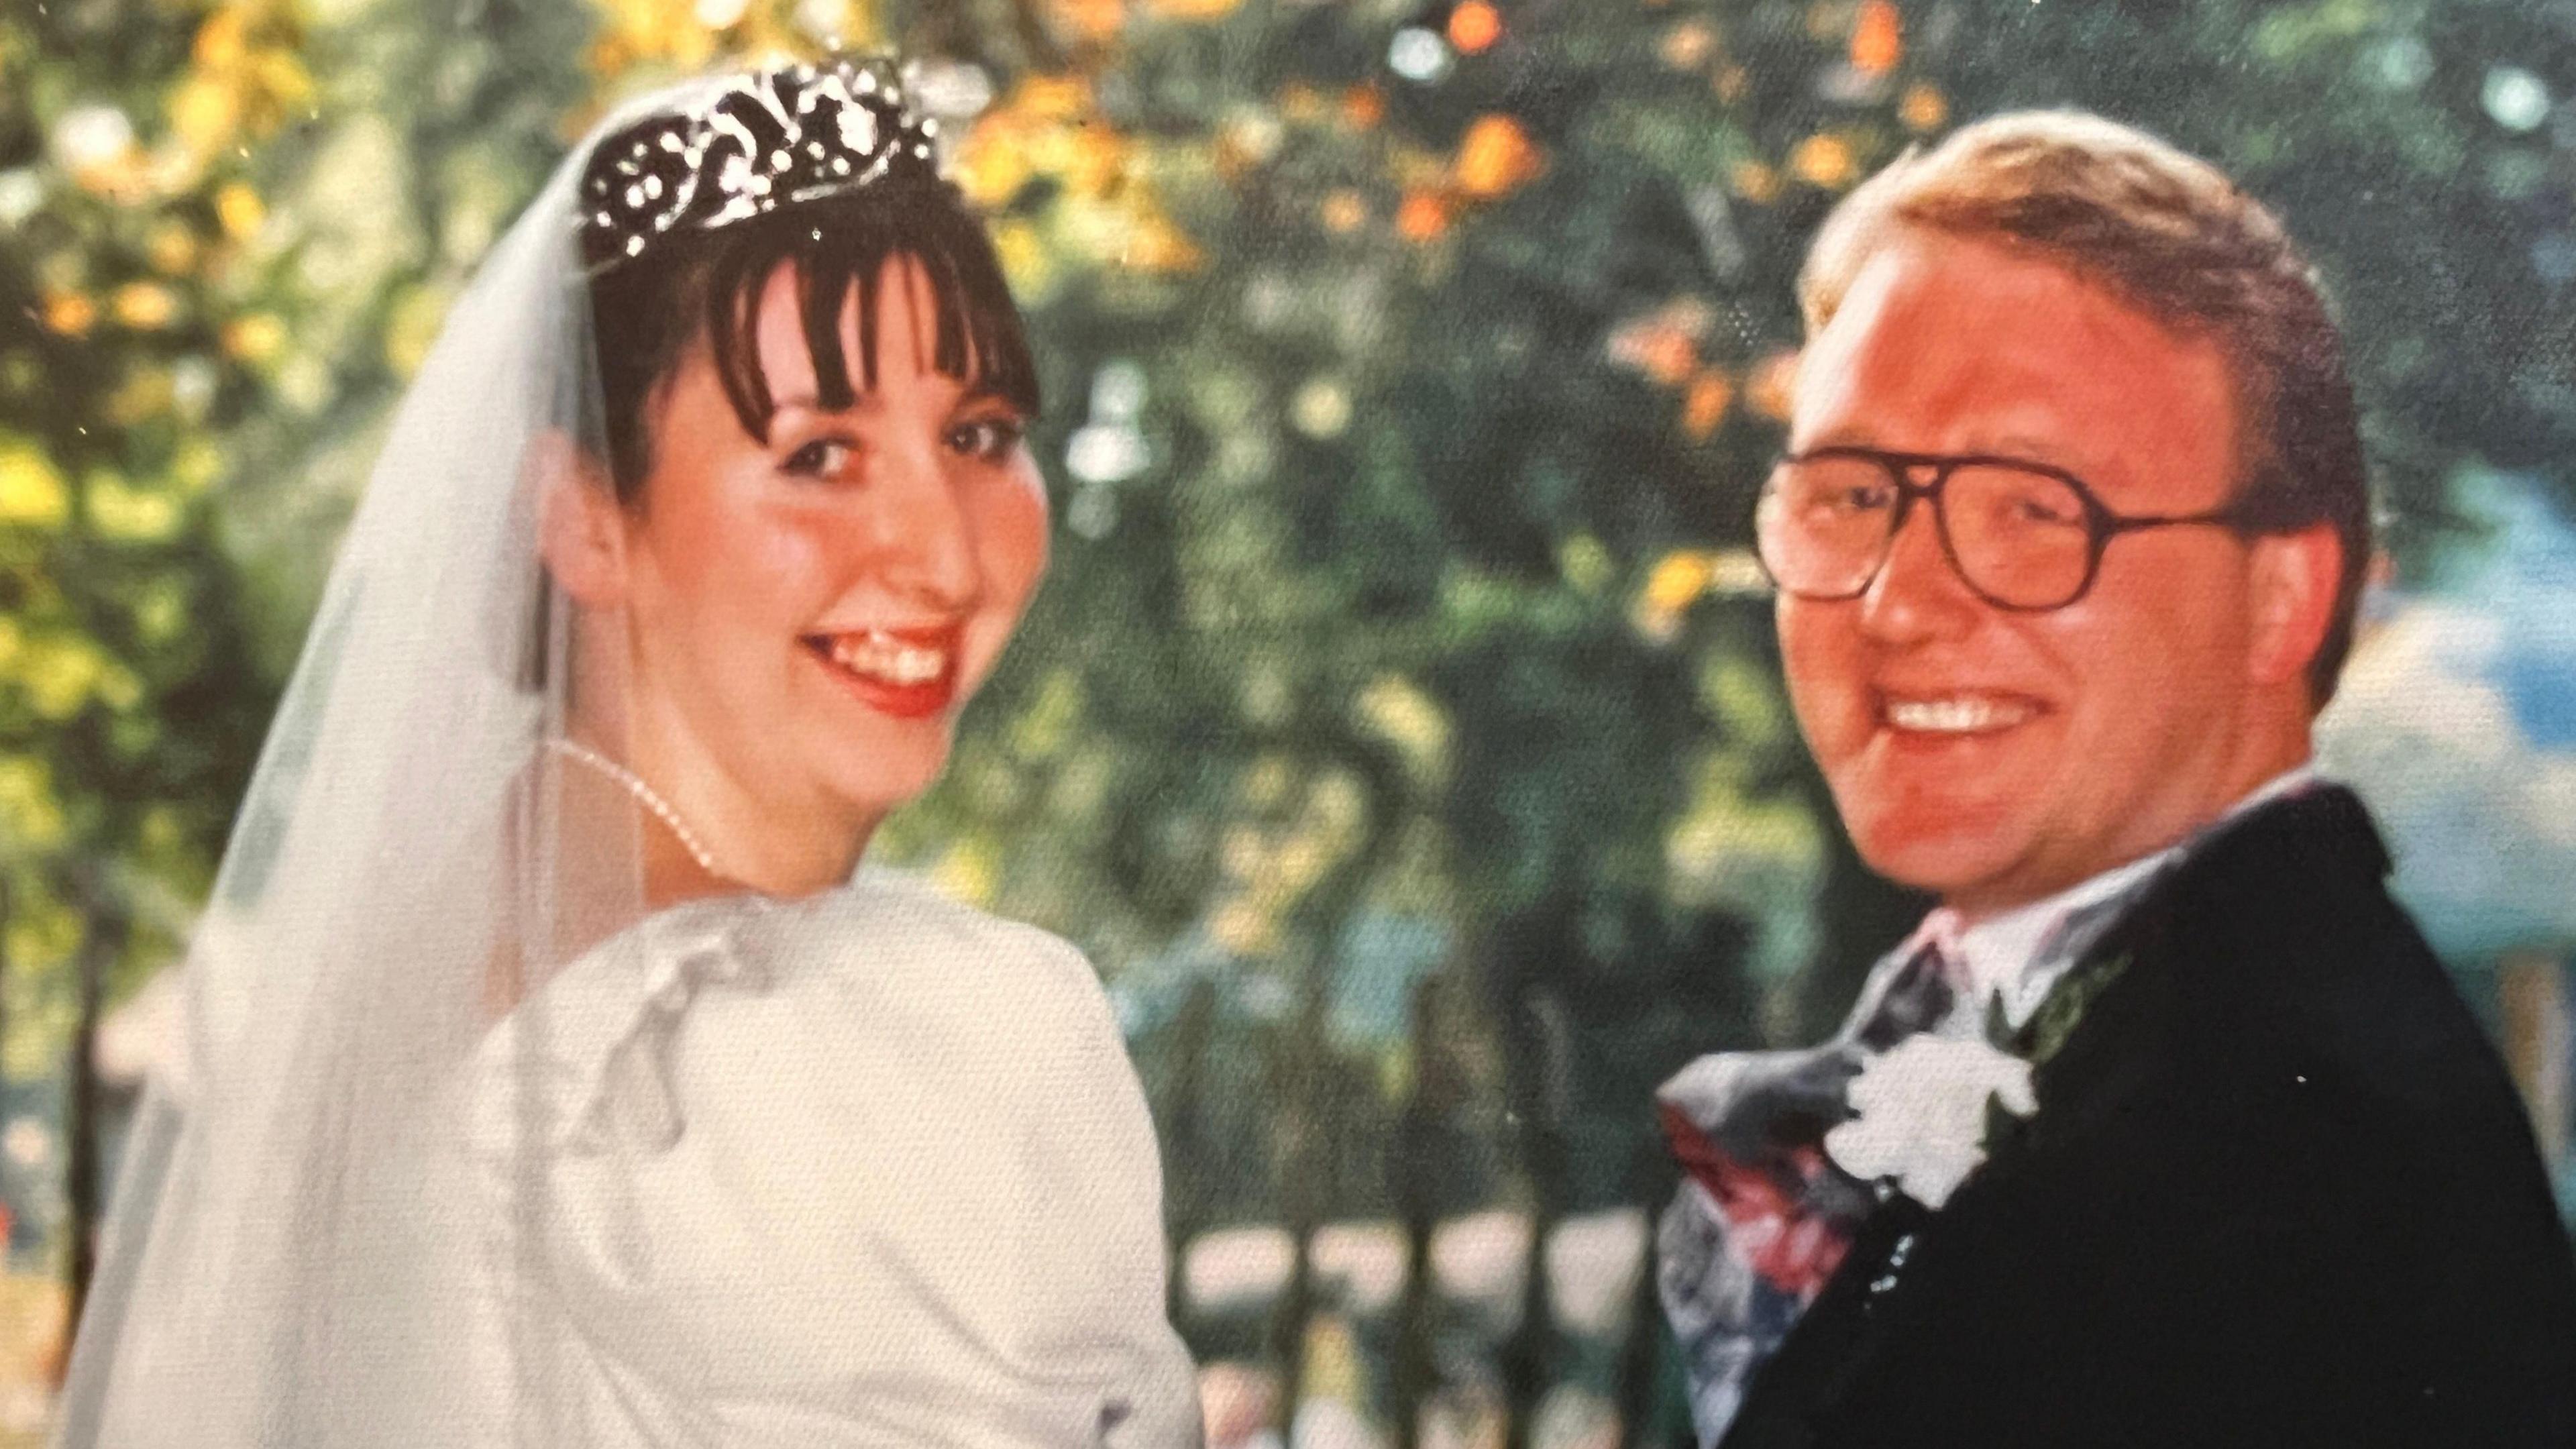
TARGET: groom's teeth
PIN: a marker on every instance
(1956, 715)
(882, 656)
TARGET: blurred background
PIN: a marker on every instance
(1401, 729)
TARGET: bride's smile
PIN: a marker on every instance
(910, 673)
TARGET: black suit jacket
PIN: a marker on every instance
(2280, 1191)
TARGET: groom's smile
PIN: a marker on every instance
(1954, 713)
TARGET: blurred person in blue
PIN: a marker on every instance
(556, 1073)
(2165, 1127)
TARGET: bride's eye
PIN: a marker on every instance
(821, 458)
(988, 439)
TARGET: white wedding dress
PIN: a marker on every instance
(866, 1169)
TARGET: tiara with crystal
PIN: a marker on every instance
(757, 143)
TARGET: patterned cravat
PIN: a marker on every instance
(1766, 1217)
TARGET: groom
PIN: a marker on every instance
(2165, 1127)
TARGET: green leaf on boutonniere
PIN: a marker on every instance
(2045, 1034)
(2003, 1125)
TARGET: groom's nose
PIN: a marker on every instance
(1918, 596)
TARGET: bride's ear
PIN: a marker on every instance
(581, 531)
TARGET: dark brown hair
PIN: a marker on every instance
(2170, 235)
(690, 284)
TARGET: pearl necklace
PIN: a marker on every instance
(644, 795)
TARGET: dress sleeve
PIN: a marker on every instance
(1104, 1155)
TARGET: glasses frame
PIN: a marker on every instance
(2101, 524)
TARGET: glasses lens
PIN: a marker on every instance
(2023, 539)
(1823, 525)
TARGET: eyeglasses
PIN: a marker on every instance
(2023, 536)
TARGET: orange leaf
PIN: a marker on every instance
(1677, 579)
(238, 209)
(1666, 353)
(70, 313)
(1090, 19)
(145, 305)
(993, 164)
(1155, 245)
(1923, 109)
(205, 113)
(1824, 161)
(172, 247)
(1422, 217)
(1475, 26)
(223, 40)
(254, 338)
(1878, 38)
(1363, 107)
(1099, 160)
(1704, 406)
(1495, 156)
(1687, 44)
(1754, 181)
(1054, 98)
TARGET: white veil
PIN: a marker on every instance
(297, 1253)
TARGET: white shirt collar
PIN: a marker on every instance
(2018, 954)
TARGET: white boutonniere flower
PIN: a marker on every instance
(1920, 1114)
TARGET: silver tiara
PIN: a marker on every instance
(759, 142)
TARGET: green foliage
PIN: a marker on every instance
(1401, 726)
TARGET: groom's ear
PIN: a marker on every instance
(2296, 578)
(581, 527)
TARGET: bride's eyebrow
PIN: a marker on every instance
(981, 393)
(975, 395)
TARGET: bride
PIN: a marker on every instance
(555, 1074)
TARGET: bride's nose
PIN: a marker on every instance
(919, 534)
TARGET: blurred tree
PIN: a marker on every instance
(129, 702)
(1401, 728)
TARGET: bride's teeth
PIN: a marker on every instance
(1955, 716)
(880, 655)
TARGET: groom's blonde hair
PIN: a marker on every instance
(2171, 236)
